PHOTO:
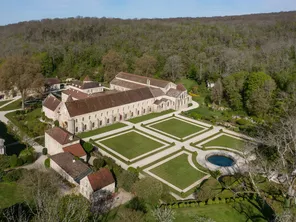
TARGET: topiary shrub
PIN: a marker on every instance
(223, 200)
(210, 201)
(201, 204)
(133, 170)
(13, 161)
(212, 127)
(47, 163)
(44, 151)
(221, 130)
(88, 147)
(181, 205)
(56, 123)
(242, 122)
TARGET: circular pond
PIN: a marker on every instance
(220, 160)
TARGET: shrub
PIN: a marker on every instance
(221, 130)
(181, 205)
(216, 201)
(13, 161)
(20, 161)
(212, 127)
(201, 204)
(223, 200)
(47, 163)
(133, 170)
(242, 122)
(44, 151)
(137, 204)
(126, 180)
(56, 123)
(210, 201)
(98, 163)
(88, 147)
(192, 205)
(13, 175)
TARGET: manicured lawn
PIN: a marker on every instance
(4, 102)
(188, 83)
(15, 105)
(178, 172)
(10, 194)
(177, 127)
(101, 130)
(221, 213)
(131, 144)
(149, 116)
(28, 123)
(226, 141)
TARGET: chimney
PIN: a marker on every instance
(148, 82)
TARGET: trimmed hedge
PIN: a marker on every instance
(44, 151)
(47, 163)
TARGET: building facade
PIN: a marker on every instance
(130, 96)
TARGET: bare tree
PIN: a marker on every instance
(21, 73)
(173, 68)
(217, 92)
(163, 215)
(113, 63)
(146, 65)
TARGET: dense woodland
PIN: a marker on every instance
(223, 49)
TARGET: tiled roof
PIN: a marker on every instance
(173, 93)
(85, 85)
(62, 136)
(69, 99)
(75, 168)
(51, 102)
(75, 149)
(126, 84)
(181, 87)
(75, 93)
(52, 81)
(156, 92)
(100, 179)
(142, 79)
(92, 104)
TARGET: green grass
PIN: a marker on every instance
(28, 123)
(101, 130)
(131, 144)
(177, 127)
(149, 116)
(222, 213)
(188, 83)
(4, 102)
(10, 194)
(12, 106)
(226, 141)
(178, 172)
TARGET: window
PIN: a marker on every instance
(114, 119)
(100, 122)
(76, 129)
(96, 116)
(144, 111)
(93, 124)
(82, 118)
(107, 120)
(75, 120)
(138, 112)
(89, 117)
(125, 116)
(132, 114)
(85, 127)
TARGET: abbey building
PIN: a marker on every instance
(87, 105)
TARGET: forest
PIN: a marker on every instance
(251, 57)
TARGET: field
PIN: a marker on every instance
(131, 144)
(227, 142)
(178, 172)
(149, 116)
(15, 105)
(9, 194)
(101, 130)
(177, 128)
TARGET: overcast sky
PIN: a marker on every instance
(12, 11)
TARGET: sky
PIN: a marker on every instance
(13, 11)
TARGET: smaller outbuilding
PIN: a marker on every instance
(100, 180)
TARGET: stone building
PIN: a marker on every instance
(130, 96)
(100, 180)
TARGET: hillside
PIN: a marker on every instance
(208, 47)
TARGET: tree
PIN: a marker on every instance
(22, 73)
(173, 68)
(149, 189)
(112, 63)
(233, 86)
(259, 88)
(217, 92)
(88, 147)
(146, 65)
(126, 214)
(163, 214)
(98, 163)
(126, 180)
(276, 156)
(101, 203)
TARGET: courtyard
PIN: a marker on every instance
(177, 128)
(170, 148)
